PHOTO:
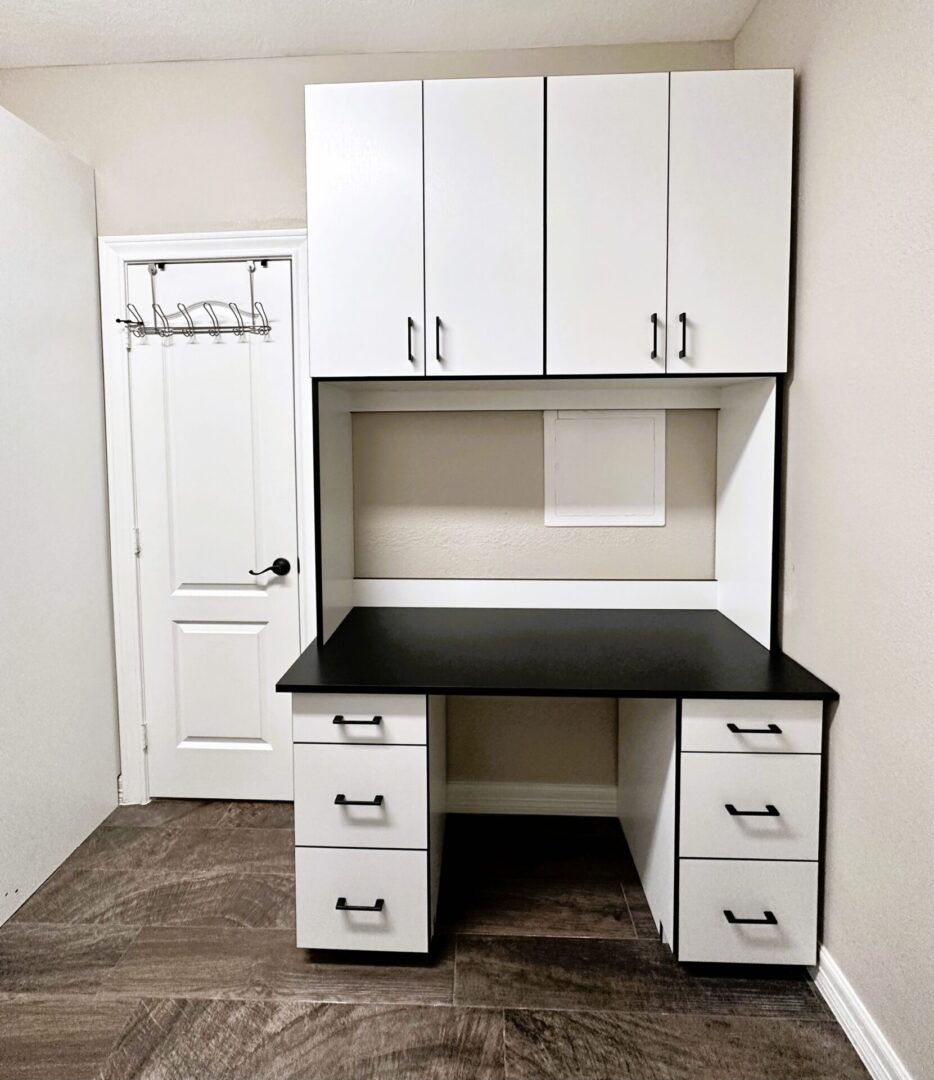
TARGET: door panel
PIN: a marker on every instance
(484, 227)
(729, 227)
(607, 177)
(365, 262)
(214, 458)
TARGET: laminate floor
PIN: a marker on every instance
(163, 949)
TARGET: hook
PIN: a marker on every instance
(239, 328)
(159, 316)
(259, 310)
(214, 330)
(136, 328)
(189, 330)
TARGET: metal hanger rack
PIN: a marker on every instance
(256, 322)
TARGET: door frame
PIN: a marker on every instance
(115, 253)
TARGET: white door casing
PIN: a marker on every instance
(365, 258)
(484, 226)
(214, 460)
(606, 181)
(729, 225)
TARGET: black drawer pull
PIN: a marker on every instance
(342, 800)
(769, 811)
(377, 720)
(769, 729)
(768, 919)
(411, 326)
(683, 319)
(438, 355)
(342, 905)
(654, 353)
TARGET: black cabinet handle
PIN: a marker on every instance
(769, 811)
(411, 326)
(654, 355)
(342, 905)
(342, 800)
(768, 919)
(683, 319)
(279, 566)
(339, 719)
(769, 729)
(438, 355)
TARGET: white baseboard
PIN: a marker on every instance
(483, 797)
(873, 1047)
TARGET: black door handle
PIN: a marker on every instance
(342, 905)
(438, 355)
(769, 811)
(411, 323)
(375, 722)
(342, 800)
(654, 355)
(279, 566)
(768, 919)
(770, 729)
(683, 319)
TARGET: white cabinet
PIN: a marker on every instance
(729, 221)
(365, 262)
(606, 180)
(484, 226)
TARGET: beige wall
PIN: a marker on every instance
(219, 145)
(461, 495)
(859, 528)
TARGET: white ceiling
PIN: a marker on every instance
(51, 32)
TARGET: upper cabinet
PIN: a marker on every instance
(365, 255)
(729, 221)
(428, 228)
(606, 177)
(484, 226)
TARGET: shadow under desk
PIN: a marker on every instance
(720, 778)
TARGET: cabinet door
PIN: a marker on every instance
(484, 226)
(365, 262)
(729, 224)
(606, 179)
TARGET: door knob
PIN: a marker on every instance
(279, 566)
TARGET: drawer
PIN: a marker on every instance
(391, 780)
(763, 727)
(789, 784)
(324, 876)
(787, 891)
(359, 719)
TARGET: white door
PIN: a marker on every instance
(365, 263)
(484, 226)
(607, 198)
(214, 458)
(729, 224)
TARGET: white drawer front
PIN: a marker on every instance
(359, 719)
(361, 774)
(711, 887)
(768, 726)
(789, 784)
(399, 878)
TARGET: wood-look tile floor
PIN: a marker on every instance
(164, 949)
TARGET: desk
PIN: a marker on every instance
(720, 768)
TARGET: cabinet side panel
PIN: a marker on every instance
(746, 506)
(647, 799)
(437, 798)
(335, 508)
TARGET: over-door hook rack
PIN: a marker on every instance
(258, 320)
(256, 323)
